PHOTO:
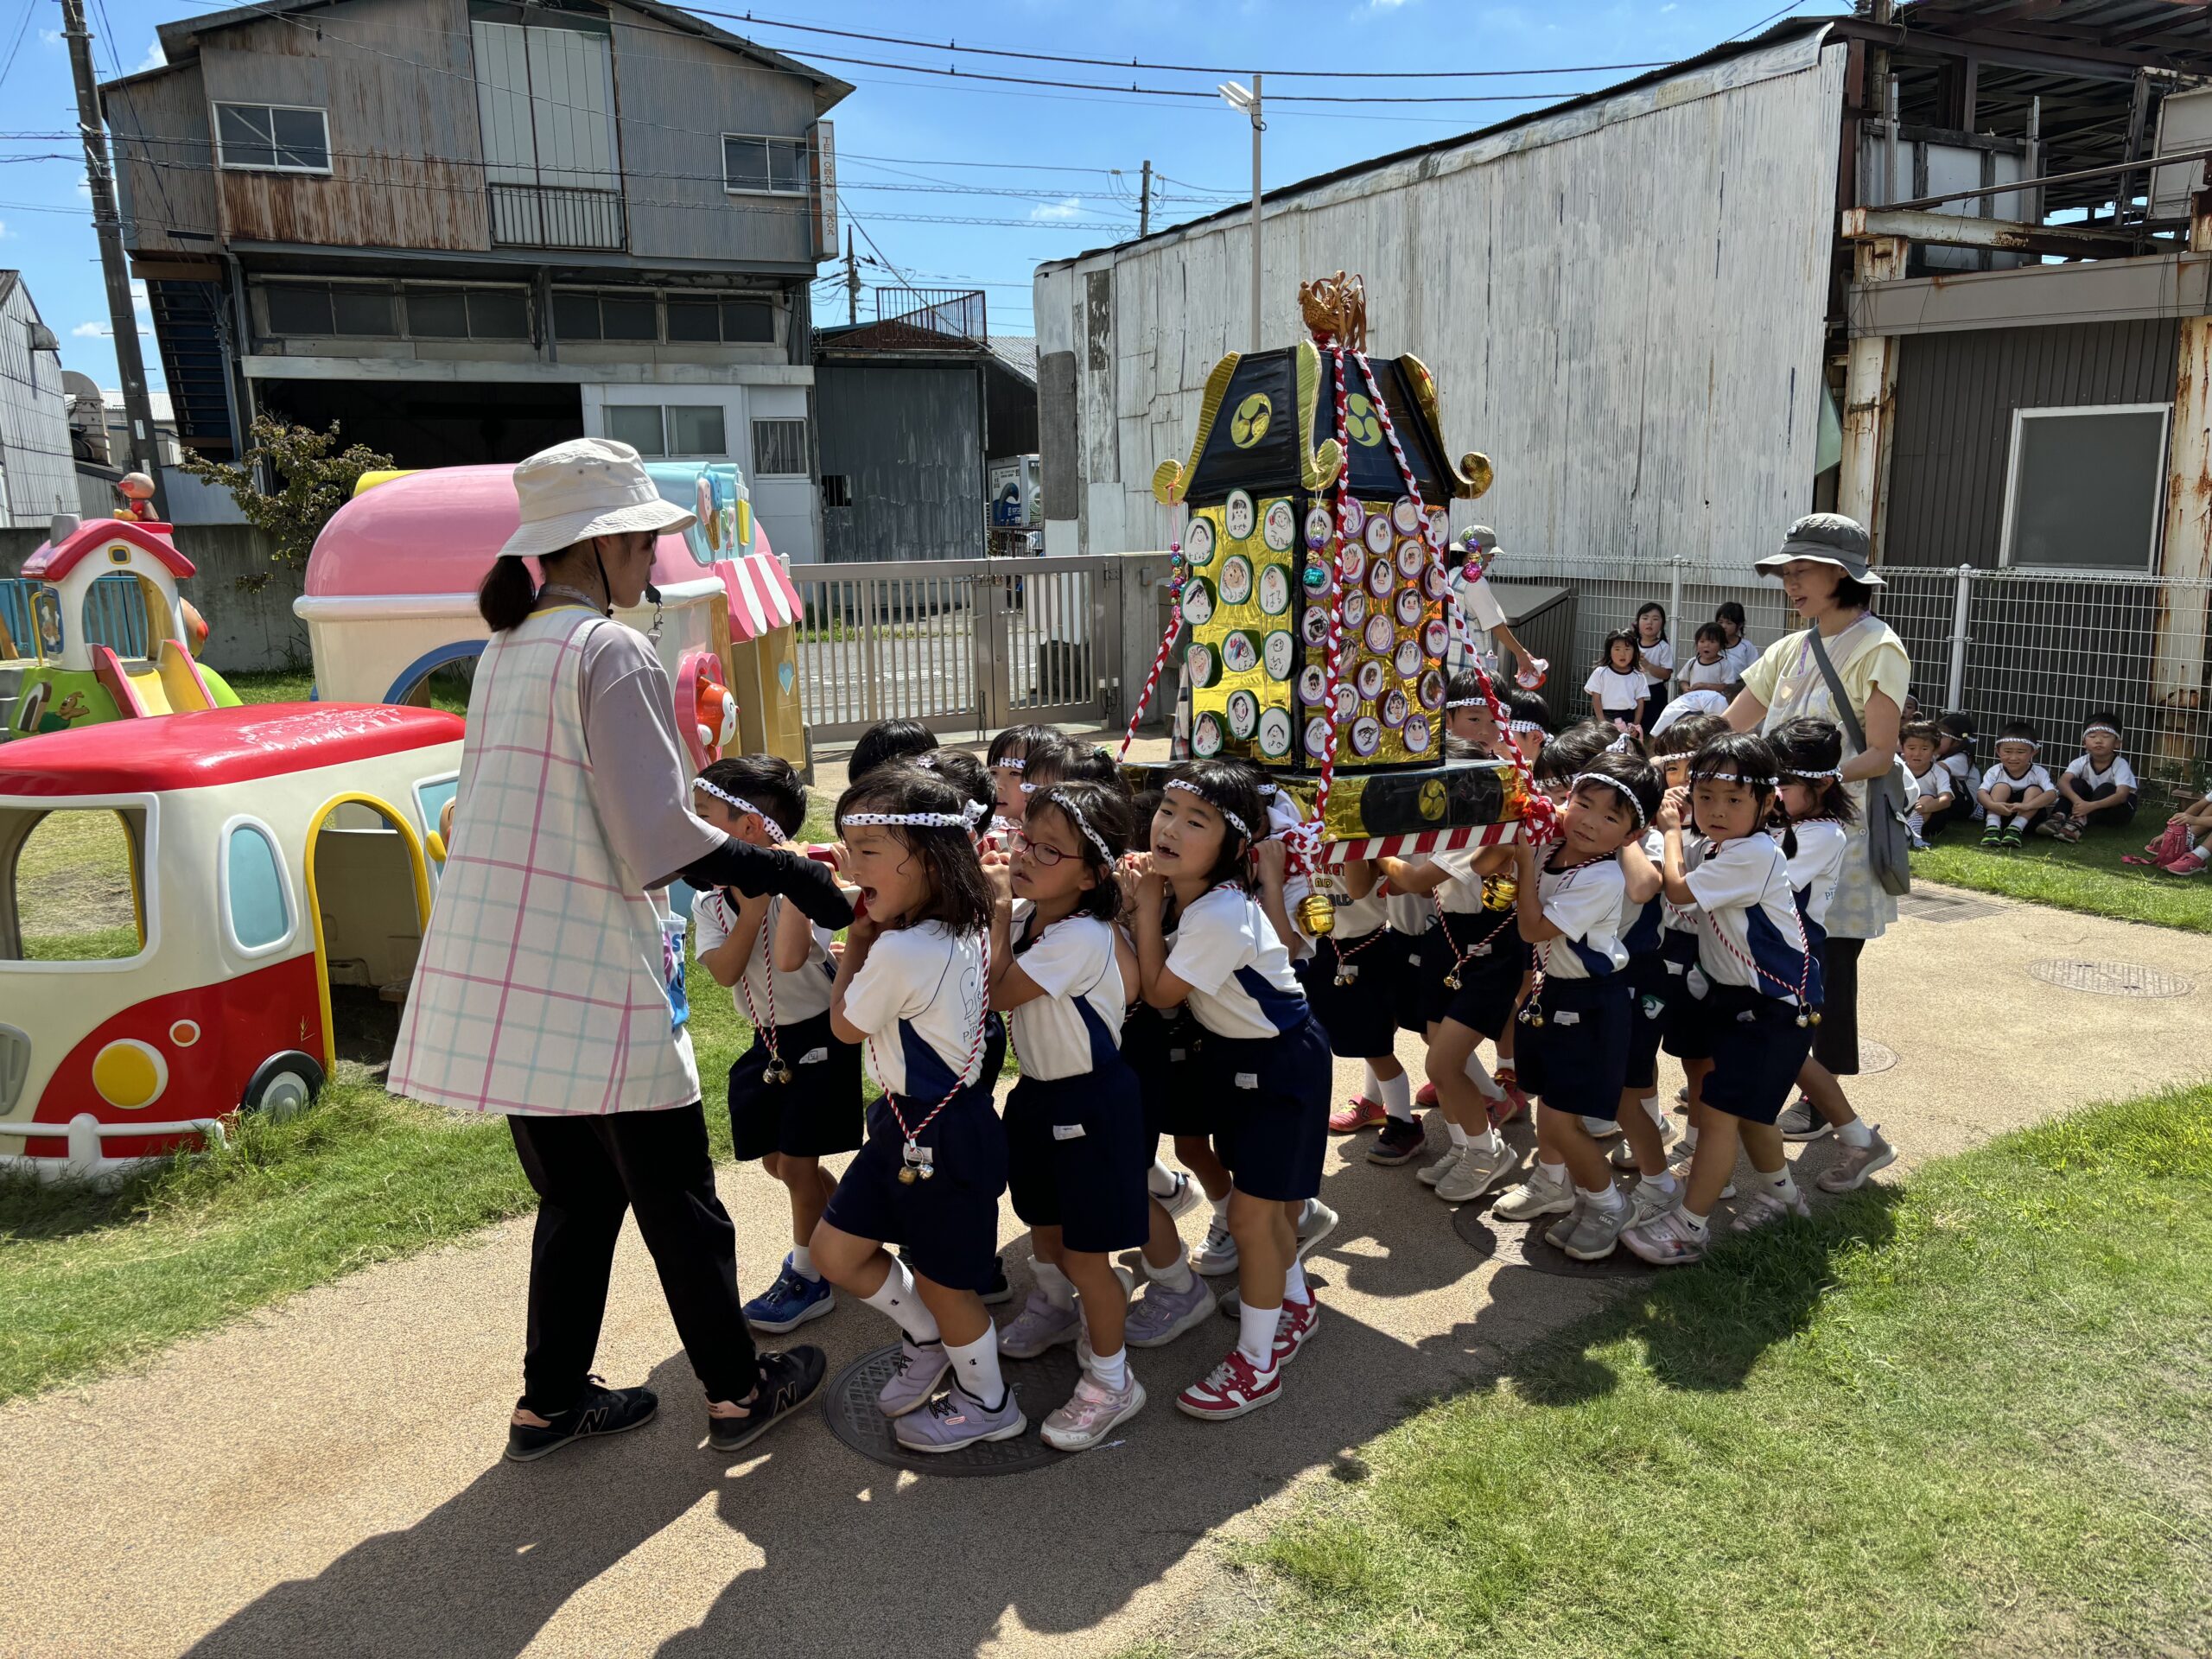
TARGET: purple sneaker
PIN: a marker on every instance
(956, 1419)
(918, 1375)
(1038, 1326)
(1160, 1315)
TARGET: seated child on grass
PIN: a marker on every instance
(2017, 791)
(2097, 789)
(1938, 804)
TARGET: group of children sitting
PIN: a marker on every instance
(1144, 956)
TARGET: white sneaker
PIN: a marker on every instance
(1623, 1156)
(1182, 1199)
(1539, 1195)
(1766, 1207)
(1647, 1203)
(1476, 1171)
(1430, 1174)
(1601, 1128)
(1218, 1254)
(1315, 1223)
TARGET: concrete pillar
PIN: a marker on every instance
(1870, 400)
(2177, 654)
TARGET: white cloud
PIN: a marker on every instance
(51, 36)
(155, 57)
(83, 188)
(102, 331)
(138, 296)
(1384, 5)
(1064, 209)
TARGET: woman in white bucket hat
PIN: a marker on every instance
(549, 987)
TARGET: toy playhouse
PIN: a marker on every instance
(391, 598)
(112, 638)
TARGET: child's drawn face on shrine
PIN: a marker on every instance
(1237, 516)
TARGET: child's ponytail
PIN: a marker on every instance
(507, 593)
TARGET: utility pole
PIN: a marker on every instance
(1249, 103)
(107, 224)
(852, 280)
(1144, 202)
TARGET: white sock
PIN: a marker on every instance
(1855, 1132)
(1256, 1334)
(1398, 1096)
(1059, 1288)
(1159, 1180)
(897, 1297)
(1176, 1275)
(1459, 1135)
(2202, 855)
(1689, 1137)
(976, 1369)
(1294, 1284)
(1554, 1172)
(1607, 1196)
(803, 1264)
(1780, 1184)
(1371, 1086)
(2020, 820)
(1478, 1074)
(1112, 1369)
(1220, 1211)
(1692, 1219)
(1654, 1111)
(1665, 1182)
(1485, 1139)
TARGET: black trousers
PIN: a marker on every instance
(587, 1172)
(1835, 1039)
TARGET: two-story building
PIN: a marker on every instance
(464, 229)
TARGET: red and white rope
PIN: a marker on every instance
(768, 978)
(1178, 575)
(959, 1078)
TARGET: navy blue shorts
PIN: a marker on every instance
(1576, 1060)
(949, 1223)
(1651, 991)
(1758, 1048)
(1489, 985)
(815, 1115)
(1410, 1005)
(1159, 1047)
(1076, 1155)
(1271, 1108)
(1361, 1019)
(1683, 1033)
(1499, 928)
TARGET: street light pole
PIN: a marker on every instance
(1249, 104)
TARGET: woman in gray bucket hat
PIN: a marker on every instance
(1826, 577)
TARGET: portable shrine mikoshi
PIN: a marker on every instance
(1314, 566)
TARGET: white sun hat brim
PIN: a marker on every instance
(547, 535)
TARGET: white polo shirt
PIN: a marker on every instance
(2118, 772)
(1818, 865)
(933, 981)
(798, 996)
(1750, 915)
(1225, 949)
(1072, 962)
(2034, 778)
(1584, 905)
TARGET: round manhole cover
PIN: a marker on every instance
(1041, 1385)
(2112, 978)
(1875, 1056)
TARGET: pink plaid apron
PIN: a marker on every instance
(542, 987)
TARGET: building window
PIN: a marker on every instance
(671, 431)
(2087, 487)
(730, 322)
(779, 449)
(372, 311)
(606, 316)
(754, 165)
(466, 314)
(836, 490)
(272, 137)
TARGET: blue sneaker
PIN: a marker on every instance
(791, 1301)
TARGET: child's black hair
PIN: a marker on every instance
(1620, 637)
(1713, 632)
(1729, 610)
(1036, 743)
(888, 740)
(1630, 777)
(1685, 736)
(1573, 751)
(960, 894)
(1469, 684)
(1105, 809)
(964, 772)
(769, 781)
(1809, 746)
(1749, 756)
(1528, 706)
(1087, 763)
(1927, 730)
(2105, 717)
(2019, 731)
(1228, 786)
(1645, 609)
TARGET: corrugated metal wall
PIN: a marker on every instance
(904, 439)
(1956, 393)
(164, 118)
(1623, 305)
(41, 479)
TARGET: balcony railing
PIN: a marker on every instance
(556, 216)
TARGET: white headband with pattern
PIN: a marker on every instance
(1808, 775)
(966, 818)
(1060, 797)
(1613, 783)
(2030, 741)
(1009, 763)
(1227, 817)
(1469, 703)
(1734, 778)
(725, 797)
(2109, 731)
(1526, 726)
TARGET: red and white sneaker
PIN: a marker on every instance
(1294, 1328)
(1356, 1114)
(1231, 1388)
(1425, 1097)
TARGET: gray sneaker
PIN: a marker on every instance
(1479, 1170)
(1647, 1203)
(1539, 1195)
(1801, 1121)
(920, 1368)
(1315, 1223)
(1589, 1232)
(1218, 1254)
(1092, 1412)
(956, 1418)
(1038, 1326)
(1160, 1315)
(1849, 1172)
(1431, 1174)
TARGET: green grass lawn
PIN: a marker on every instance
(1963, 1415)
(2087, 876)
(447, 690)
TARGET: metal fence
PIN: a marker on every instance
(960, 644)
(2048, 647)
(115, 615)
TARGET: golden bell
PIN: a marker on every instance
(1500, 892)
(907, 1176)
(1317, 915)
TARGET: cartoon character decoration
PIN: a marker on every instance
(717, 714)
(138, 491)
(195, 625)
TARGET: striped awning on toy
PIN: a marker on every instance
(761, 596)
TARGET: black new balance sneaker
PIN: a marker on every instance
(788, 1381)
(599, 1410)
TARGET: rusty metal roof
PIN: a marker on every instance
(2180, 28)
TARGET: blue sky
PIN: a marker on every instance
(913, 146)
